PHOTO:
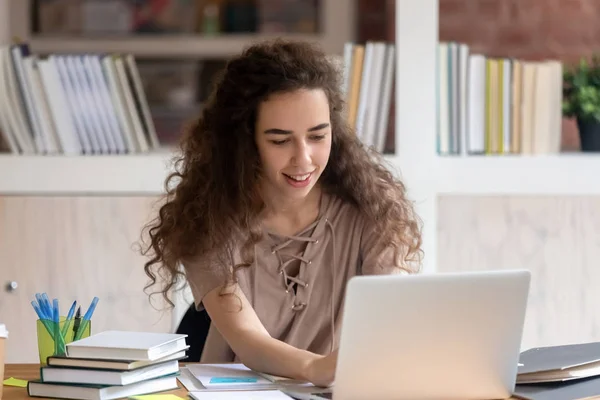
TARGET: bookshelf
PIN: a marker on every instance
(425, 173)
(336, 19)
(429, 175)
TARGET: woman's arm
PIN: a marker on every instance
(237, 321)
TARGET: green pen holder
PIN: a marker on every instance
(53, 337)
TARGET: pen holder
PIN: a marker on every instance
(53, 337)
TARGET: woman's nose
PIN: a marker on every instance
(302, 155)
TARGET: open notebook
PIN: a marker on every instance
(237, 377)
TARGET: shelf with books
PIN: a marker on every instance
(568, 174)
(161, 47)
(497, 104)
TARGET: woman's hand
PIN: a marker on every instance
(321, 370)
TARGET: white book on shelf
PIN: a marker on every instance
(444, 127)
(75, 105)
(93, 130)
(99, 105)
(386, 97)
(528, 107)
(463, 86)
(347, 71)
(454, 96)
(23, 87)
(476, 104)
(97, 73)
(506, 105)
(65, 128)
(40, 98)
(135, 115)
(6, 128)
(374, 94)
(543, 108)
(142, 101)
(118, 99)
(15, 111)
(556, 107)
(363, 96)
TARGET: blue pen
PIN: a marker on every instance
(55, 311)
(59, 340)
(86, 319)
(90, 311)
(43, 318)
(48, 308)
(41, 305)
(69, 318)
(37, 310)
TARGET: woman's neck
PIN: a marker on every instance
(288, 217)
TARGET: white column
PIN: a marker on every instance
(416, 49)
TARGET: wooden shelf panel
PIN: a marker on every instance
(159, 46)
(84, 175)
(145, 174)
(142, 174)
(563, 174)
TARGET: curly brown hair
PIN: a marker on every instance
(215, 201)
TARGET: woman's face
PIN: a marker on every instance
(293, 136)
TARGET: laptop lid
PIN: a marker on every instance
(446, 335)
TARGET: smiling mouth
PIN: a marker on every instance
(299, 178)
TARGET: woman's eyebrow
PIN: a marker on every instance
(319, 127)
(277, 131)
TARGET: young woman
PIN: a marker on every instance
(276, 205)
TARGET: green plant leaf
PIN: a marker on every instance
(581, 89)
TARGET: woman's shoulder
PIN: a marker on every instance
(341, 212)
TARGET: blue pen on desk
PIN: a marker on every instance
(46, 314)
(43, 318)
(57, 335)
(86, 319)
(69, 319)
(47, 305)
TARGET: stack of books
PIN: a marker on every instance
(111, 365)
(569, 371)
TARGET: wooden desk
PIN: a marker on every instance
(32, 371)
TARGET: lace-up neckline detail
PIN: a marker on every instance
(313, 234)
(285, 259)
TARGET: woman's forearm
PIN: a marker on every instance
(263, 353)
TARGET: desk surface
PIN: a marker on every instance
(32, 371)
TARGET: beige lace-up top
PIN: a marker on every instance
(297, 283)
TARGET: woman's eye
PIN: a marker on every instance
(279, 142)
(318, 137)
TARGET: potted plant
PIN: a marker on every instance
(581, 100)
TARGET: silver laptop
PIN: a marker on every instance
(437, 336)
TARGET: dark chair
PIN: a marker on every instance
(196, 325)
